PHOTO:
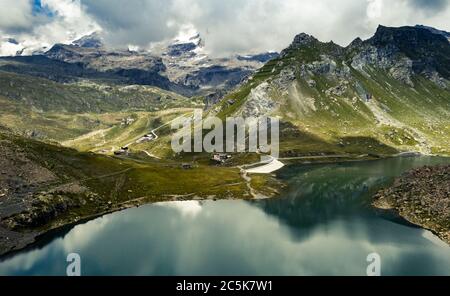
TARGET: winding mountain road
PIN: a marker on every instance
(153, 132)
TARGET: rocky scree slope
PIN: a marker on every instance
(422, 196)
(392, 90)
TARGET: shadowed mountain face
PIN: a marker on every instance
(43, 95)
(385, 94)
(435, 31)
(429, 52)
(181, 66)
(393, 88)
(90, 41)
(69, 63)
(381, 96)
(189, 64)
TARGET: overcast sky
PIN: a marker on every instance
(227, 26)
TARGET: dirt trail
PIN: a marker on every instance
(248, 181)
(87, 136)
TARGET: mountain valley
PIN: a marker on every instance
(65, 113)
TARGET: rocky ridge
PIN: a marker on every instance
(182, 65)
(396, 82)
(421, 196)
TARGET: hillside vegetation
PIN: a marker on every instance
(389, 93)
(44, 186)
(61, 112)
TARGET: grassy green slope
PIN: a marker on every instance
(83, 115)
(397, 118)
(45, 95)
(107, 183)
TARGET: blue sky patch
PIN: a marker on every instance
(38, 8)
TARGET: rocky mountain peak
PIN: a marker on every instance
(262, 57)
(303, 39)
(189, 44)
(93, 40)
(179, 49)
(358, 42)
(435, 31)
(407, 37)
(424, 50)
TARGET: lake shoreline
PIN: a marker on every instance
(304, 208)
(30, 238)
(16, 241)
(33, 237)
(421, 196)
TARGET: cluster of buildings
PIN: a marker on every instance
(221, 158)
(146, 138)
(122, 151)
(127, 121)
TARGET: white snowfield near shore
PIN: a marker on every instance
(272, 166)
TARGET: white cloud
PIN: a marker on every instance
(67, 21)
(9, 49)
(138, 22)
(15, 14)
(374, 9)
(244, 26)
(70, 10)
(232, 26)
(261, 25)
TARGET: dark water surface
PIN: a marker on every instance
(322, 225)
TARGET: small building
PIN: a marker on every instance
(187, 166)
(221, 158)
(146, 138)
(122, 151)
(128, 121)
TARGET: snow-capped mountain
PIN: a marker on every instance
(181, 65)
(93, 40)
(185, 62)
(188, 63)
(14, 47)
